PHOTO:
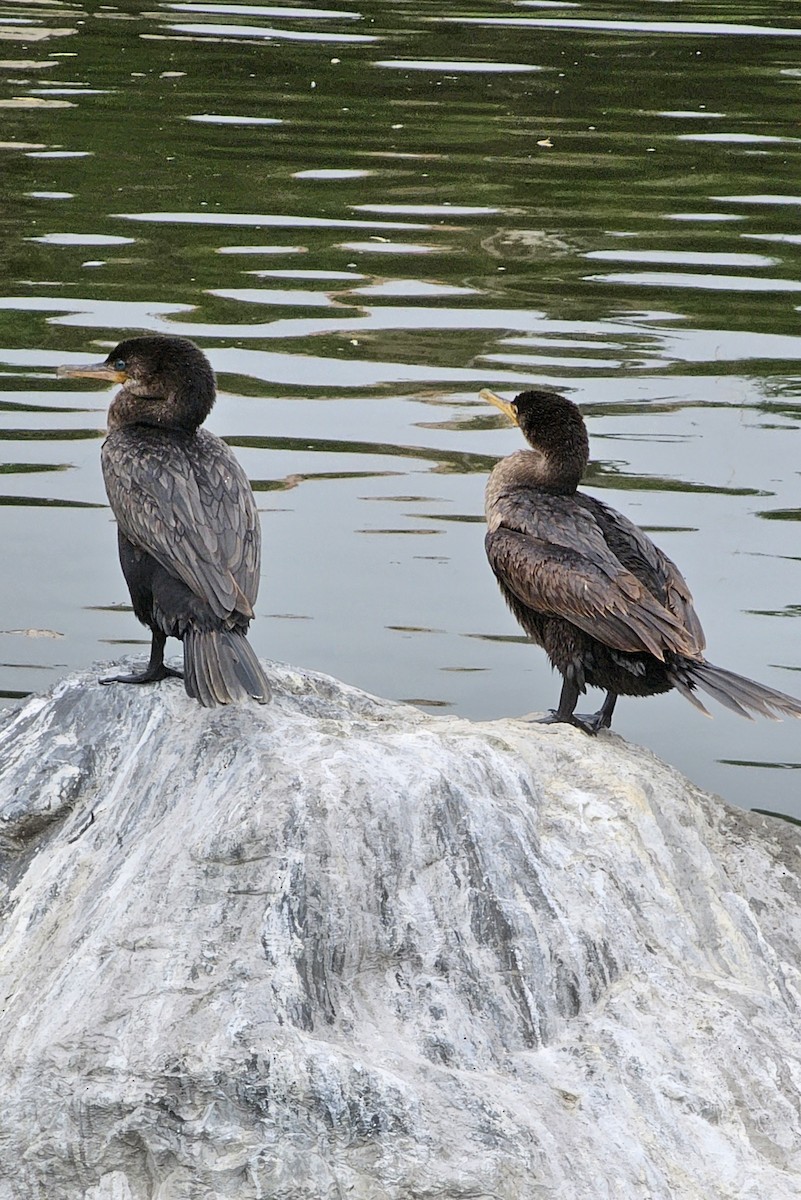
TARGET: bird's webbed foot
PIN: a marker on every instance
(149, 675)
(580, 721)
(156, 668)
(590, 723)
(594, 722)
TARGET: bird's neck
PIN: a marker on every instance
(171, 412)
(533, 469)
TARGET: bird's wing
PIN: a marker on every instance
(553, 557)
(189, 504)
(656, 570)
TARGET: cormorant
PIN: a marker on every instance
(187, 524)
(607, 606)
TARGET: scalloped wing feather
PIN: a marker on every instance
(668, 578)
(601, 598)
(189, 504)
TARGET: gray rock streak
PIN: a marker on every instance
(336, 948)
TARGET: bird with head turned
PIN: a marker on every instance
(187, 525)
(609, 608)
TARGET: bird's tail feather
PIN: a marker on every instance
(220, 667)
(743, 696)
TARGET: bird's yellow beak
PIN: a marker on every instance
(101, 370)
(506, 409)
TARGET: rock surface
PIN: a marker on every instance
(336, 948)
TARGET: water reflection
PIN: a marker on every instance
(596, 25)
(717, 283)
(331, 173)
(82, 239)
(272, 219)
(213, 119)
(258, 31)
(260, 10)
(683, 258)
(423, 221)
(457, 66)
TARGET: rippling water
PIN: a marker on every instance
(364, 215)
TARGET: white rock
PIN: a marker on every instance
(333, 947)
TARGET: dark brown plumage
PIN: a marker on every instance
(608, 607)
(188, 529)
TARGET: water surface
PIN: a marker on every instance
(364, 215)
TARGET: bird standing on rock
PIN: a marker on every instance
(188, 528)
(607, 606)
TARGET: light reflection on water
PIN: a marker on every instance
(255, 31)
(717, 283)
(710, 28)
(259, 10)
(434, 224)
(455, 67)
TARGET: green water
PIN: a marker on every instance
(364, 215)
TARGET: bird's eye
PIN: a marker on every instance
(119, 364)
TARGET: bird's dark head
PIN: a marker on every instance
(554, 426)
(168, 382)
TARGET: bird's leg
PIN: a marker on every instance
(154, 670)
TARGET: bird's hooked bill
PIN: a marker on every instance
(101, 370)
(506, 408)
